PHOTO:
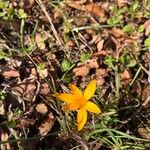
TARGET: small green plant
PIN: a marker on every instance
(3, 95)
(128, 28)
(65, 65)
(147, 42)
(85, 57)
(117, 15)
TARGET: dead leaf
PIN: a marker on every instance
(40, 40)
(9, 72)
(147, 27)
(125, 75)
(81, 71)
(41, 108)
(26, 89)
(29, 3)
(44, 90)
(47, 124)
(122, 3)
(75, 5)
(25, 122)
(100, 45)
(100, 74)
(43, 73)
(117, 32)
(91, 8)
(6, 146)
(92, 63)
(95, 9)
(85, 68)
(2, 110)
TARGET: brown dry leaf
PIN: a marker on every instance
(43, 73)
(81, 71)
(45, 90)
(100, 45)
(6, 146)
(2, 110)
(26, 89)
(122, 3)
(47, 124)
(117, 32)
(100, 74)
(9, 72)
(144, 132)
(92, 63)
(57, 13)
(75, 5)
(95, 9)
(95, 39)
(41, 108)
(29, 3)
(91, 8)
(25, 123)
(147, 27)
(125, 75)
(84, 70)
(40, 41)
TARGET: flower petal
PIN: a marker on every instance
(90, 90)
(91, 107)
(68, 98)
(71, 106)
(81, 118)
(75, 90)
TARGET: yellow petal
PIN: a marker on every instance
(68, 98)
(75, 90)
(71, 106)
(91, 107)
(81, 118)
(90, 90)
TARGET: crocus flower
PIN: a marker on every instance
(78, 100)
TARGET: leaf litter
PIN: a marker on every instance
(111, 36)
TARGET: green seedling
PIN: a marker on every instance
(85, 57)
(147, 42)
(128, 28)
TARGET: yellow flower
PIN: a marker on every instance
(78, 100)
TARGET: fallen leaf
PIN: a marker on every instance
(117, 32)
(84, 70)
(92, 63)
(6, 146)
(40, 40)
(44, 90)
(25, 123)
(91, 8)
(26, 89)
(46, 125)
(74, 5)
(95, 9)
(9, 72)
(100, 74)
(43, 73)
(2, 110)
(125, 75)
(147, 27)
(81, 71)
(122, 3)
(100, 45)
(41, 108)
